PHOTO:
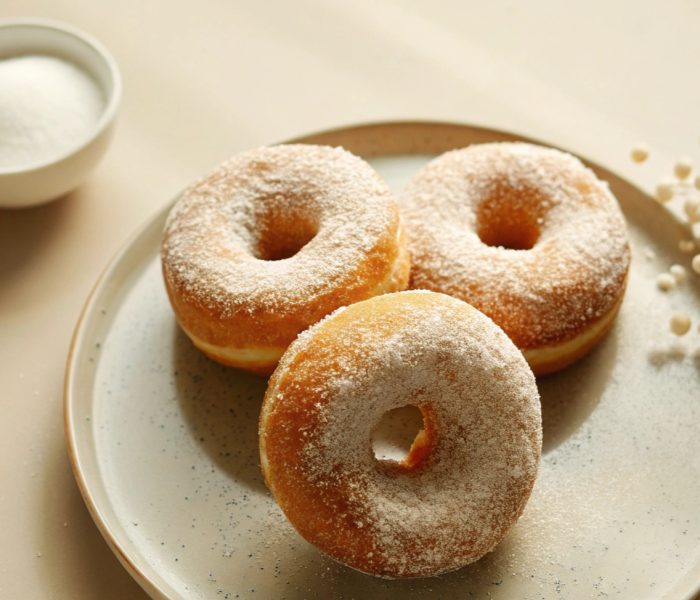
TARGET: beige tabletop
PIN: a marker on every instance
(205, 79)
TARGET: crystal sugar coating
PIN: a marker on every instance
(273, 240)
(469, 473)
(526, 234)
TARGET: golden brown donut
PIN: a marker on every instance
(273, 240)
(529, 236)
(470, 471)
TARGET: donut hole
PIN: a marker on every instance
(396, 433)
(282, 236)
(512, 236)
(510, 219)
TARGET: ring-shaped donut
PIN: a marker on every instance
(469, 472)
(272, 241)
(526, 234)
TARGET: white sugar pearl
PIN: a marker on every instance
(665, 282)
(680, 323)
(640, 153)
(649, 254)
(679, 273)
(683, 168)
(691, 207)
(686, 246)
(664, 190)
(696, 263)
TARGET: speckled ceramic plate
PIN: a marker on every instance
(164, 442)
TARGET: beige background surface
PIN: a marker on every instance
(205, 79)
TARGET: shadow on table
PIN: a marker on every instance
(221, 406)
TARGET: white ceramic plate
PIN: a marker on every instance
(164, 442)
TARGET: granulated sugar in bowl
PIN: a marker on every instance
(59, 92)
(47, 107)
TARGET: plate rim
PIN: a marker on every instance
(153, 589)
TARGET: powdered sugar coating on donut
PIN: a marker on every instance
(332, 387)
(543, 296)
(213, 233)
(274, 240)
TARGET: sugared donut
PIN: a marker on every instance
(272, 241)
(471, 469)
(527, 235)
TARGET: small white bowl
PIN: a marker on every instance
(37, 183)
